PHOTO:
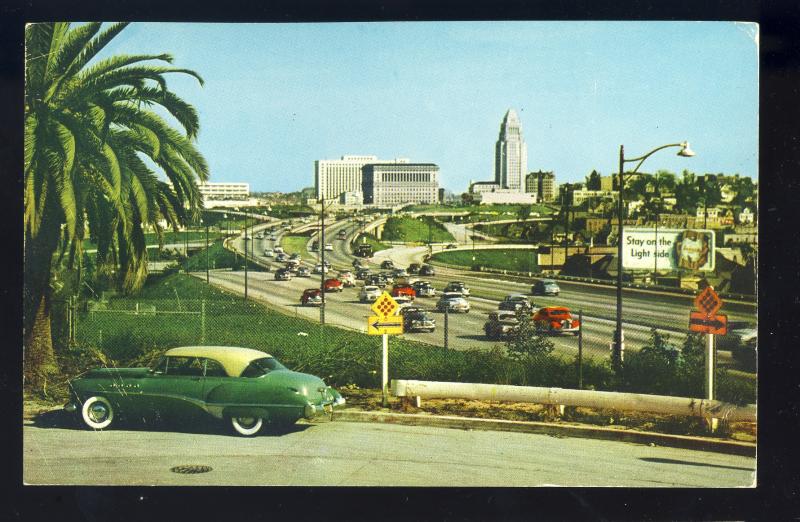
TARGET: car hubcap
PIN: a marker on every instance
(98, 412)
(247, 422)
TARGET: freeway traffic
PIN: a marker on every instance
(643, 309)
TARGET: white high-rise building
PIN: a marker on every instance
(511, 154)
(333, 177)
(390, 184)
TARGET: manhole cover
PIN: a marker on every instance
(190, 469)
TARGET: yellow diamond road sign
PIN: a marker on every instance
(379, 325)
(384, 306)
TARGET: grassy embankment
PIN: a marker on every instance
(371, 240)
(415, 230)
(501, 211)
(218, 257)
(170, 237)
(501, 259)
(296, 244)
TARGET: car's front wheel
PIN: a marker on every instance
(247, 426)
(97, 413)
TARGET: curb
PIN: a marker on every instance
(557, 430)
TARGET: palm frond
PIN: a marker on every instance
(94, 46)
(74, 42)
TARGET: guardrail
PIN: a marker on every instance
(685, 406)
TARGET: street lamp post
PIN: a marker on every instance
(616, 354)
(657, 194)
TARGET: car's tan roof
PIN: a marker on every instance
(232, 358)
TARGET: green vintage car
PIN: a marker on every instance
(245, 386)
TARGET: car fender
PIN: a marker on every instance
(252, 398)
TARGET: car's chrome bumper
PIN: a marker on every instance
(312, 411)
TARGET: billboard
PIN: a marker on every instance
(671, 250)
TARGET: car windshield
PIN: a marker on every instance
(558, 312)
(261, 367)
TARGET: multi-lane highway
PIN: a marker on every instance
(643, 310)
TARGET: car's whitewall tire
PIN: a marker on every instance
(97, 413)
(247, 426)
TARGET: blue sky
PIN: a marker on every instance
(279, 96)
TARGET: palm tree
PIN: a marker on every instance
(90, 142)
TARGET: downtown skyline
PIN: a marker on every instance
(277, 97)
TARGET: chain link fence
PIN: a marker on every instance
(663, 360)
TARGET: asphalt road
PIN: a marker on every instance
(644, 310)
(362, 454)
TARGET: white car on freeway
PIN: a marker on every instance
(369, 293)
(453, 302)
(268, 252)
(347, 278)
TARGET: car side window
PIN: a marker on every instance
(189, 366)
(214, 369)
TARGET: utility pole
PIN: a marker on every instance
(567, 197)
(321, 246)
(245, 258)
(207, 253)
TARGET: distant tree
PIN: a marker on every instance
(710, 190)
(665, 181)
(524, 212)
(687, 193)
(593, 181)
(745, 190)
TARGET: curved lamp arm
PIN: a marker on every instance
(641, 159)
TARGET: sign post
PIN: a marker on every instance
(706, 320)
(385, 372)
(384, 323)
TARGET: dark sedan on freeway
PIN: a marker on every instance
(545, 287)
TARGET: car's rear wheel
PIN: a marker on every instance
(247, 426)
(97, 413)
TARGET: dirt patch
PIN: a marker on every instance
(370, 400)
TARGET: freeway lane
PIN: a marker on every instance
(466, 330)
(642, 310)
(355, 454)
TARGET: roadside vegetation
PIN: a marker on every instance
(169, 237)
(297, 244)
(416, 230)
(218, 257)
(501, 259)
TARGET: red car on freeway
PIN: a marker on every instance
(557, 319)
(333, 285)
(311, 297)
(406, 290)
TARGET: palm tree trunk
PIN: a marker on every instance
(39, 361)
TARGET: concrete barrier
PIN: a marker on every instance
(685, 406)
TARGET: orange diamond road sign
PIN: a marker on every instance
(384, 306)
(708, 301)
(710, 324)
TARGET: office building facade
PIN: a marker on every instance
(224, 191)
(390, 184)
(511, 154)
(543, 184)
(334, 177)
